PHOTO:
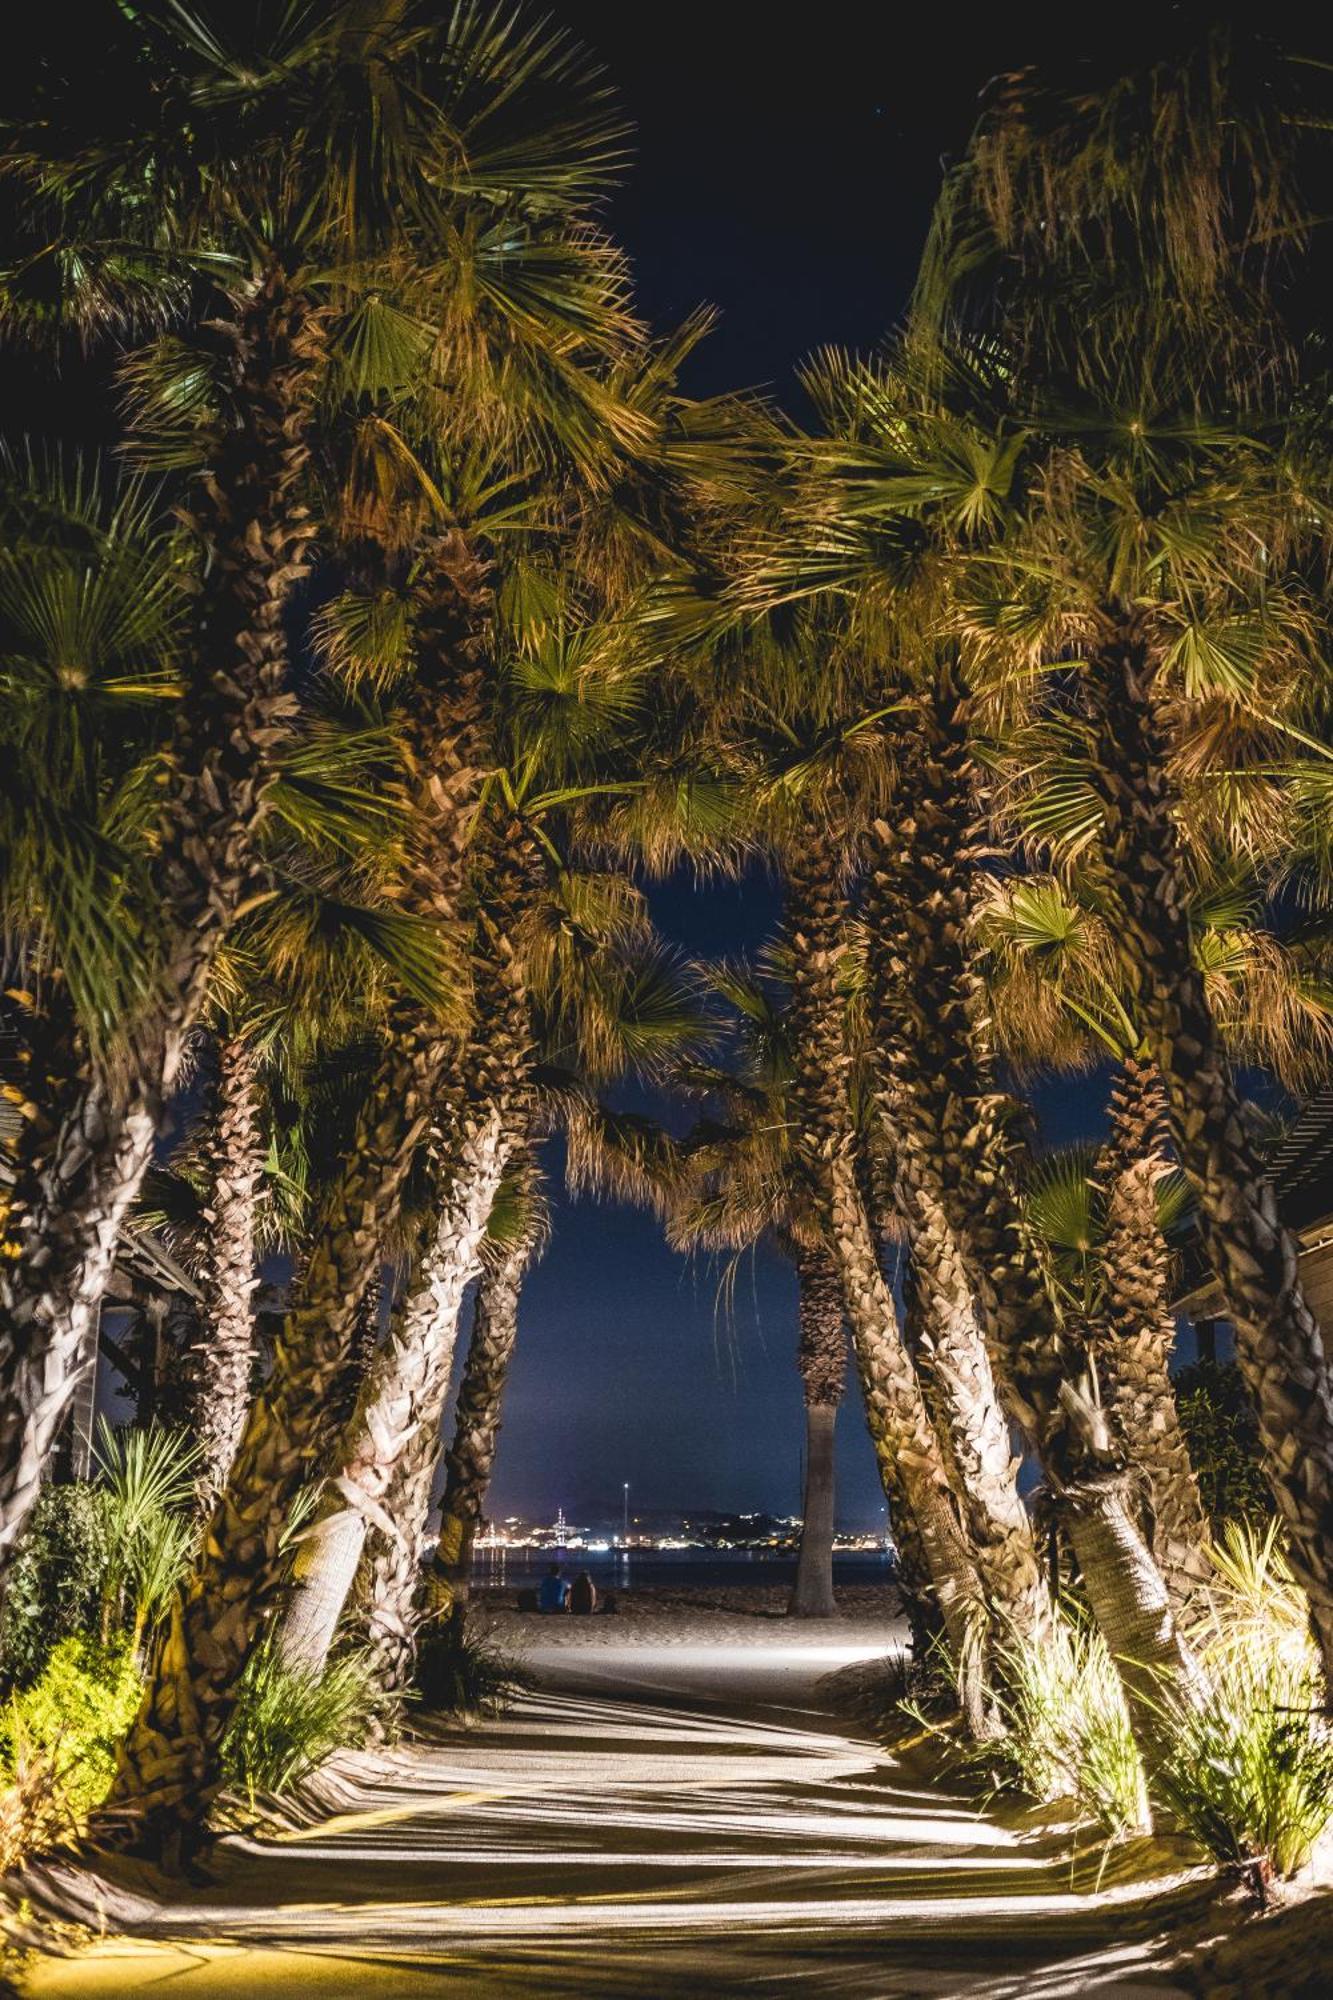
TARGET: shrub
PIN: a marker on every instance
(1250, 1775)
(99, 1557)
(56, 1581)
(462, 1673)
(1066, 1730)
(1222, 1434)
(148, 1484)
(58, 1741)
(288, 1720)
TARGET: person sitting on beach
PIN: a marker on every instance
(583, 1595)
(552, 1591)
(608, 1606)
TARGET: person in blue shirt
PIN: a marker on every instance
(552, 1591)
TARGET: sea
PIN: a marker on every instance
(501, 1571)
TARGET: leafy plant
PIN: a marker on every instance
(288, 1720)
(56, 1582)
(58, 1741)
(1223, 1438)
(1250, 1774)
(463, 1673)
(1066, 1731)
(148, 1479)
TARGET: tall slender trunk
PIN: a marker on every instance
(167, 1769)
(1279, 1345)
(822, 1358)
(361, 1345)
(470, 1460)
(906, 1446)
(485, 1117)
(973, 1426)
(955, 1147)
(913, 1577)
(224, 1360)
(397, 1417)
(1134, 1350)
(78, 1175)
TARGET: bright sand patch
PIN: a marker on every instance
(675, 1809)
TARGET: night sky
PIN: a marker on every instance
(784, 174)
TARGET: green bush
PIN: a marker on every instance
(1222, 1434)
(148, 1488)
(1066, 1730)
(287, 1721)
(58, 1740)
(56, 1582)
(101, 1557)
(1250, 1773)
(459, 1673)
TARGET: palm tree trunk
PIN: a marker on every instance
(398, 1414)
(77, 1178)
(823, 1363)
(1279, 1345)
(906, 1446)
(361, 1346)
(470, 1460)
(224, 1359)
(955, 1144)
(911, 1463)
(1134, 1354)
(167, 1770)
(975, 1431)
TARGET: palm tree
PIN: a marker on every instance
(1156, 547)
(822, 1359)
(878, 510)
(818, 761)
(514, 1235)
(552, 984)
(1053, 983)
(956, 1147)
(729, 1186)
(1101, 1216)
(315, 163)
(906, 1445)
(235, 1169)
(92, 604)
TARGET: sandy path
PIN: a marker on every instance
(674, 1810)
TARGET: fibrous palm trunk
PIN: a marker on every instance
(167, 1771)
(483, 1118)
(224, 1359)
(973, 1426)
(470, 1460)
(955, 1147)
(397, 1418)
(361, 1345)
(79, 1172)
(168, 1766)
(1133, 1349)
(1279, 1345)
(906, 1446)
(822, 1358)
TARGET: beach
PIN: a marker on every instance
(688, 1796)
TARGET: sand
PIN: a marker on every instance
(683, 1802)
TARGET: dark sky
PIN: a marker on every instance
(785, 169)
